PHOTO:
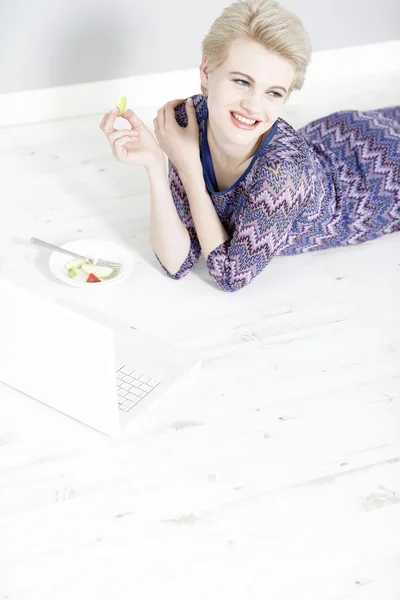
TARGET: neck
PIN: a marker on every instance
(231, 155)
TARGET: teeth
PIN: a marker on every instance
(243, 119)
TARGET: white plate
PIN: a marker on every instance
(98, 249)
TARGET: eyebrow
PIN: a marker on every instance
(253, 81)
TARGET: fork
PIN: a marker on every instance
(93, 261)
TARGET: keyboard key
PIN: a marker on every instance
(128, 403)
(133, 385)
(138, 393)
(144, 378)
(146, 388)
(132, 398)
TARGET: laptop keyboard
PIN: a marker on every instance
(132, 387)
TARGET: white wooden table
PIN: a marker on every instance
(274, 472)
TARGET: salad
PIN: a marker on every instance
(81, 270)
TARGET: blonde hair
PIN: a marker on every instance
(264, 21)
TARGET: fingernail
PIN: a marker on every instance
(190, 101)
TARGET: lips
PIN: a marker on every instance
(241, 125)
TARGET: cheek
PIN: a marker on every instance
(225, 94)
(222, 101)
(275, 109)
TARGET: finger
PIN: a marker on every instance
(161, 116)
(156, 123)
(101, 124)
(108, 126)
(170, 109)
(122, 141)
(192, 116)
(157, 133)
(190, 109)
(176, 102)
(122, 148)
(112, 137)
(132, 118)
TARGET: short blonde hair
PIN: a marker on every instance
(264, 21)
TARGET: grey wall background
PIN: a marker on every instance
(46, 43)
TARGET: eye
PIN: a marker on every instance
(241, 81)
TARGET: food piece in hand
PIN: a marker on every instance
(97, 270)
(121, 105)
(92, 278)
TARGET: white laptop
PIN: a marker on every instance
(82, 362)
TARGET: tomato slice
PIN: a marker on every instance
(92, 278)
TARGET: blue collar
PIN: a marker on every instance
(208, 168)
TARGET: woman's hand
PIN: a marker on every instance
(135, 146)
(180, 144)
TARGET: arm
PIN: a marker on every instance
(173, 237)
(169, 236)
(177, 131)
(210, 231)
(277, 199)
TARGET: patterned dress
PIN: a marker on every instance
(334, 182)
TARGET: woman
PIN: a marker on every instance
(242, 184)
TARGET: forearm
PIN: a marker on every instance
(169, 237)
(209, 229)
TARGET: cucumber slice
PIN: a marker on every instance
(121, 105)
(99, 271)
(77, 273)
(81, 275)
(73, 264)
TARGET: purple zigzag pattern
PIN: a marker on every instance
(334, 182)
(364, 149)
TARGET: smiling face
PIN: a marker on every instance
(251, 84)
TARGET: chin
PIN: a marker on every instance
(244, 137)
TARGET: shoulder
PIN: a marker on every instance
(286, 156)
(286, 146)
(200, 105)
